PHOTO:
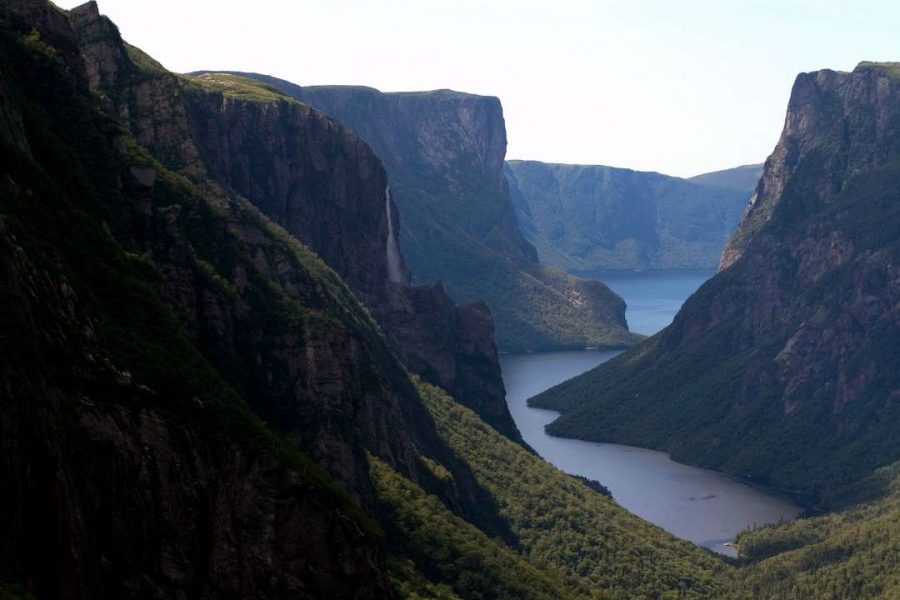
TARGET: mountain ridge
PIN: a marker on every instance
(586, 218)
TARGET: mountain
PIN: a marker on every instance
(585, 218)
(742, 178)
(315, 178)
(444, 151)
(785, 366)
(196, 404)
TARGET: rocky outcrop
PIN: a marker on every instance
(585, 218)
(784, 366)
(443, 152)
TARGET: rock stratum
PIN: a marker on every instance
(589, 218)
(784, 367)
(444, 154)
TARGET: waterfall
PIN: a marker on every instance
(393, 250)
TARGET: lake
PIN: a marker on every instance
(652, 297)
(699, 505)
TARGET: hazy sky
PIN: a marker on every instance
(680, 87)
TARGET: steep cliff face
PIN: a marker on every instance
(584, 218)
(444, 145)
(784, 366)
(444, 152)
(309, 174)
(131, 467)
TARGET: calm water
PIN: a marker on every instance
(653, 297)
(699, 505)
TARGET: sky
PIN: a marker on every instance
(679, 87)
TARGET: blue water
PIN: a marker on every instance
(652, 297)
(702, 506)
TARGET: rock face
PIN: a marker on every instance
(311, 175)
(585, 218)
(783, 367)
(443, 152)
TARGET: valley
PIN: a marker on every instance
(701, 506)
(267, 340)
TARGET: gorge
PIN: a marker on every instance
(251, 336)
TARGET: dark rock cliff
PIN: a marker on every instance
(444, 152)
(584, 218)
(783, 367)
(312, 176)
(172, 359)
(130, 467)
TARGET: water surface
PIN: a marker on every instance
(702, 506)
(652, 297)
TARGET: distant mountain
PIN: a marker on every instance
(785, 367)
(742, 178)
(444, 151)
(584, 218)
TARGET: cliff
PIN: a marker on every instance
(132, 467)
(309, 174)
(585, 218)
(443, 152)
(784, 366)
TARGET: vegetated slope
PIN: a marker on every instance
(850, 554)
(579, 539)
(443, 152)
(584, 218)
(784, 367)
(742, 178)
